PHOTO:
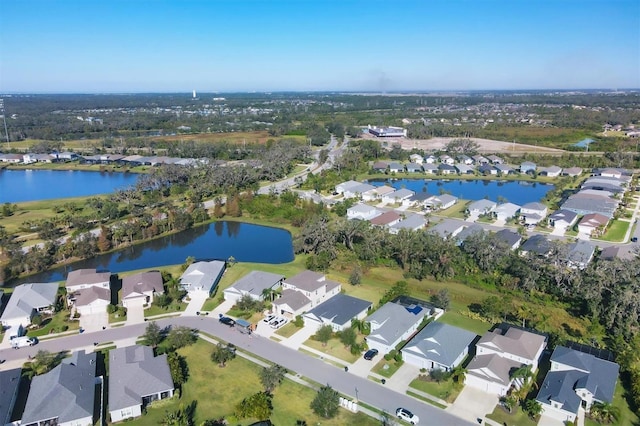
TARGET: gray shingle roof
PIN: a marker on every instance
(310, 281)
(27, 297)
(440, 342)
(134, 373)
(414, 221)
(294, 299)
(202, 274)
(67, 392)
(86, 276)
(493, 368)
(255, 282)
(508, 236)
(143, 282)
(393, 319)
(9, 382)
(558, 387)
(340, 309)
(515, 341)
(87, 295)
(537, 244)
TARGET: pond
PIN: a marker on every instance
(31, 185)
(219, 240)
(584, 143)
(517, 192)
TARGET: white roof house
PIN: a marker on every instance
(391, 324)
(202, 276)
(506, 211)
(438, 346)
(27, 300)
(481, 207)
(303, 292)
(399, 196)
(362, 212)
(533, 213)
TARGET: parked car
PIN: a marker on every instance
(227, 321)
(407, 416)
(19, 342)
(279, 322)
(370, 354)
(268, 319)
(634, 239)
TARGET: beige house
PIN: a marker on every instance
(303, 292)
(141, 288)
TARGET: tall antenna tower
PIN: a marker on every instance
(4, 119)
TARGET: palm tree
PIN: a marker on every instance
(605, 412)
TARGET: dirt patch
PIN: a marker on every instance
(486, 145)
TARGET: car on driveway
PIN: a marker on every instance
(278, 322)
(370, 354)
(227, 321)
(268, 319)
(407, 416)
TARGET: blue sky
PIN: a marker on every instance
(270, 45)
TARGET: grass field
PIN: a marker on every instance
(616, 231)
(446, 390)
(218, 390)
(517, 417)
(335, 348)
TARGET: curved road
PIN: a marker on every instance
(372, 393)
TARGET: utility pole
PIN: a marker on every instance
(4, 118)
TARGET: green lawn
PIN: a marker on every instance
(334, 348)
(55, 324)
(174, 306)
(616, 231)
(391, 367)
(288, 330)
(459, 320)
(518, 417)
(217, 391)
(446, 390)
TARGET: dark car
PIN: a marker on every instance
(634, 239)
(227, 321)
(370, 354)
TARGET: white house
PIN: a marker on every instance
(592, 222)
(391, 324)
(481, 207)
(416, 158)
(551, 171)
(303, 292)
(438, 346)
(358, 190)
(344, 186)
(400, 196)
(141, 288)
(202, 277)
(26, 301)
(533, 213)
(253, 284)
(562, 219)
(377, 193)
(506, 211)
(498, 353)
(136, 378)
(92, 300)
(85, 278)
(362, 212)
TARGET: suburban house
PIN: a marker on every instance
(511, 238)
(468, 232)
(533, 213)
(416, 158)
(362, 212)
(303, 292)
(419, 199)
(504, 169)
(391, 324)
(344, 186)
(506, 211)
(389, 218)
(488, 169)
(380, 166)
(480, 159)
(413, 222)
(413, 168)
(572, 171)
(446, 159)
(562, 219)
(26, 301)
(584, 203)
(580, 254)
(614, 173)
(610, 253)
(92, 300)
(401, 196)
(576, 379)
(495, 159)
(254, 284)
(481, 207)
(447, 169)
(527, 167)
(592, 223)
(65, 396)
(396, 168)
(377, 193)
(85, 278)
(141, 288)
(447, 228)
(465, 159)
(551, 171)
(9, 384)
(430, 159)
(498, 354)
(430, 168)
(602, 183)
(537, 244)
(337, 312)
(441, 202)
(202, 277)
(465, 169)
(136, 378)
(357, 190)
(438, 346)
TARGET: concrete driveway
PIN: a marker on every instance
(195, 304)
(473, 404)
(299, 337)
(94, 322)
(135, 311)
(549, 421)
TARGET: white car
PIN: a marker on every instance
(268, 319)
(278, 322)
(407, 416)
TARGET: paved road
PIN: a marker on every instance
(371, 393)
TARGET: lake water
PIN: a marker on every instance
(31, 185)
(516, 192)
(218, 240)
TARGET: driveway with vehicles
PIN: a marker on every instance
(371, 393)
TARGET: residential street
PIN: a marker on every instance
(370, 392)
